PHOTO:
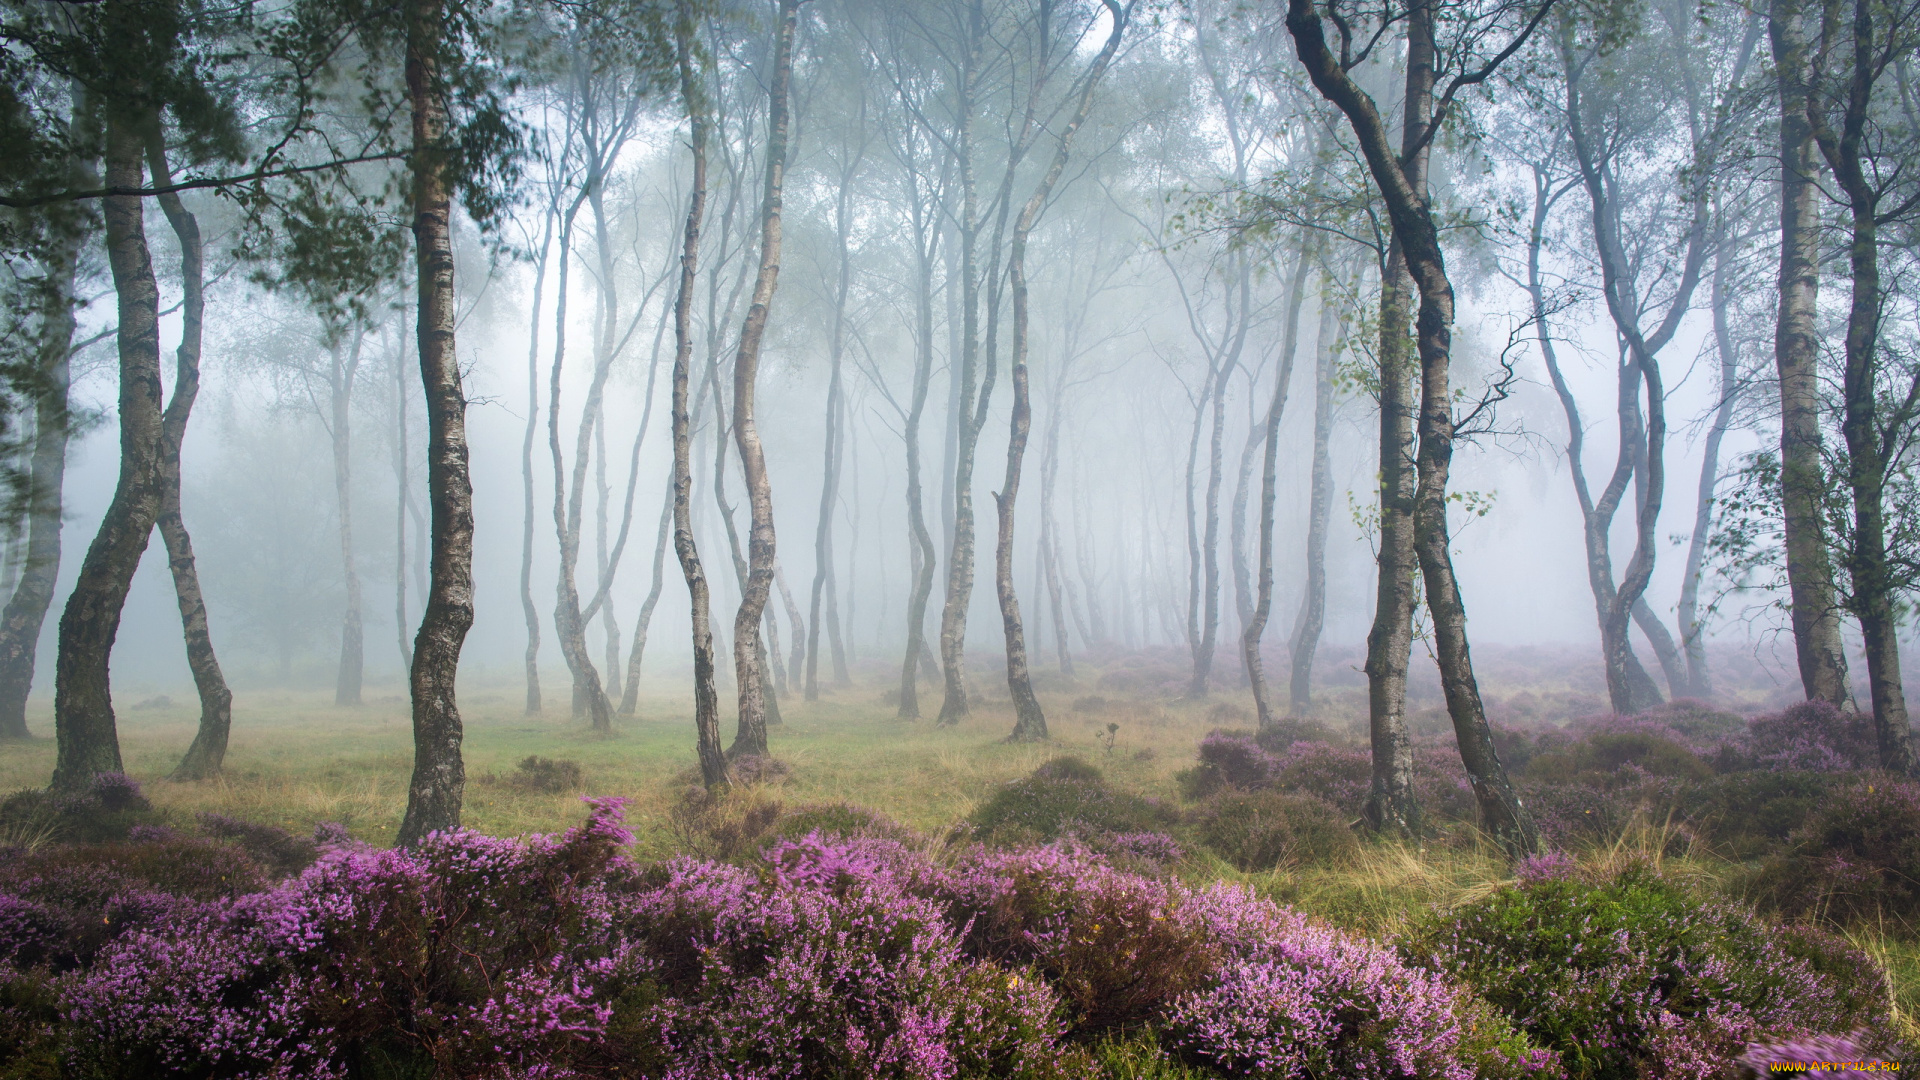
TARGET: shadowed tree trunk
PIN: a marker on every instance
(1256, 626)
(1870, 445)
(706, 703)
(26, 610)
(1402, 182)
(1796, 355)
(402, 503)
(209, 748)
(1313, 604)
(87, 740)
(751, 736)
(439, 776)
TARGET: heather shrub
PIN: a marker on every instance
(278, 851)
(1282, 733)
(1635, 976)
(1064, 797)
(548, 776)
(1261, 830)
(1855, 857)
(837, 819)
(1615, 758)
(107, 811)
(1111, 943)
(1813, 736)
(1747, 814)
(1859, 1056)
(1296, 998)
(29, 1027)
(831, 969)
(1229, 759)
(724, 826)
(1572, 816)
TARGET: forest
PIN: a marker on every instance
(1330, 538)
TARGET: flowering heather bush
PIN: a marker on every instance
(1229, 759)
(1852, 1049)
(110, 807)
(1259, 830)
(1856, 857)
(1813, 736)
(1636, 977)
(1749, 814)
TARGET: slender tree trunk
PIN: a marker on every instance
(570, 625)
(341, 374)
(630, 693)
(830, 468)
(1401, 180)
(706, 702)
(1796, 354)
(1256, 627)
(751, 737)
(32, 594)
(209, 748)
(1237, 531)
(1692, 625)
(797, 659)
(1313, 605)
(439, 776)
(1390, 806)
(919, 538)
(609, 625)
(1209, 606)
(84, 730)
(1873, 600)
(402, 502)
(1050, 536)
(953, 615)
(527, 607)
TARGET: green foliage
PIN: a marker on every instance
(1602, 756)
(1262, 830)
(1064, 797)
(1856, 857)
(1617, 973)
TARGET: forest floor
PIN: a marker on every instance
(297, 760)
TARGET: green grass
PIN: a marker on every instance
(295, 759)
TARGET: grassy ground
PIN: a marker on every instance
(295, 759)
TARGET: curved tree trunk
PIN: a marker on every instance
(751, 737)
(1256, 627)
(88, 742)
(1692, 625)
(919, 538)
(1796, 355)
(209, 748)
(1402, 182)
(439, 775)
(527, 607)
(706, 703)
(1313, 604)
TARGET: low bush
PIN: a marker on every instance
(1856, 857)
(1064, 797)
(278, 851)
(1813, 736)
(107, 811)
(548, 776)
(1261, 830)
(1747, 815)
(1636, 976)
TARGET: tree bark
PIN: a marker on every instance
(26, 609)
(1256, 627)
(921, 551)
(1401, 180)
(1796, 354)
(830, 467)
(209, 747)
(1868, 443)
(87, 740)
(1313, 605)
(706, 702)
(1390, 805)
(751, 736)
(439, 776)
(402, 503)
